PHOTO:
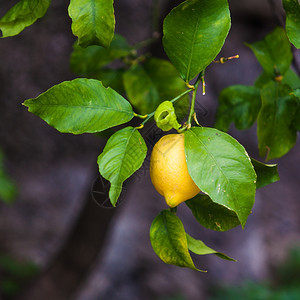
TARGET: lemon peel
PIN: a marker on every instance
(168, 170)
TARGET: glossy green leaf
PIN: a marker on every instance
(168, 83)
(123, 154)
(290, 78)
(81, 105)
(22, 15)
(221, 168)
(266, 174)
(239, 104)
(212, 215)
(169, 241)
(194, 33)
(198, 247)
(7, 187)
(140, 89)
(93, 21)
(292, 27)
(88, 61)
(274, 52)
(275, 134)
(165, 116)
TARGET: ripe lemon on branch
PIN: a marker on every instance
(168, 170)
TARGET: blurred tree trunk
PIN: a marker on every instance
(61, 279)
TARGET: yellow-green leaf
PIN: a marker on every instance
(198, 247)
(22, 15)
(93, 21)
(169, 241)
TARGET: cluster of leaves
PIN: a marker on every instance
(144, 81)
(273, 100)
(194, 33)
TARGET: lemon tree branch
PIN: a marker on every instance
(192, 110)
(149, 116)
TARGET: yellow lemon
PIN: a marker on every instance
(168, 170)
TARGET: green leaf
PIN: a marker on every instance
(275, 134)
(212, 215)
(296, 92)
(165, 117)
(81, 105)
(166, 80)
(93, 21)
(296, 121)
(274, 52)
(123, 154)
(290, 78)
(22, 15)
(168, 240)
(156, 81)
(262, 80)
(221, 168)
(88, 61)
(198, 247)
(239, 104)
(111, 78)
(141, 91)
(194, 33)
(292, 9)
(7, 187)
(266, 174)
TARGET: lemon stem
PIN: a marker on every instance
(140, 116)
(149, 116)
(173, 210)
(192, 110)
(223, 60)
(180, 96)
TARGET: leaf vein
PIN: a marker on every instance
(220, 169)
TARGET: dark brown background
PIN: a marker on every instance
(55, 173)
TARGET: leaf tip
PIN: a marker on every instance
(202, 271)
(26, 103)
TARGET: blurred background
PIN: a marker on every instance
(57, 242)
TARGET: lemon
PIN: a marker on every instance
(168, 170)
